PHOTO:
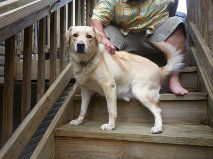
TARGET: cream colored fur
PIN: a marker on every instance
(122, 75)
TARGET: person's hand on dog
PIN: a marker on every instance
(109, 46)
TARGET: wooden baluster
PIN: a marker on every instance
(70, 17)
(41, 59)
(88, 11)
(79, 12)
(82, 12)
(76, 13)
(62, 36)
(9, 71)
(53, 47)
(26, 81)
(209, 3)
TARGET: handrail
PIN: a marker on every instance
(16, 144)
(200, 27)
(14, 26)
(16, 14)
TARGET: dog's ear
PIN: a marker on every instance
(67, 35)
(99, 36)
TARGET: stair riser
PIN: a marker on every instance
(190, 112)
(72, 148)
(189, 81)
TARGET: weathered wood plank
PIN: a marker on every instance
(197, 135)
(190, 109)
(70, 17)
(77, 17)
(34, 75)
(205, 55)
(29, 19)
(26, 82)
(62, 36)
(46, 147)
(82, 10)
(7, 5)
(41, 59)
(88, 8)
(72, 148)
(24, 132)
(53, 47)
(206, 83)
(21, 24)
(9, 71)
(22, 11)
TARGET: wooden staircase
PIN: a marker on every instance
(186, 133)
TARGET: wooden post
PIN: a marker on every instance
(82, 12)
(41, 59)
(7, 120)
(70, 18)
(62, 36)
(26, 82)
(88, 14)
(53, 44)
(76, 13)
(210, 23)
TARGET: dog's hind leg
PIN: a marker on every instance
(150, 98)
(86, 95)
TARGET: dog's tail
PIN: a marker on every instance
(173, 56)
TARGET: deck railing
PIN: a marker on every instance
(200, 27)
(51, 18)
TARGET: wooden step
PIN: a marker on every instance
(134, 140)
(188, 78)
(190, 109)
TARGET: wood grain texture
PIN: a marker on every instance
(82, 10)
(88, 15)
(53, 47)
(8, 94)
(70, 17)
(41, 59)
(205, 83)
(205, 54)
(15, 145)
(21, 24)
(191, 109)
(73, 148)
(62, 36)
(178, 134)
(22, 11)
(46, 147)
(26, 82)
(34, 75)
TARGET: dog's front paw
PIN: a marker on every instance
(156, 130)
(107, 127)
(76, 122)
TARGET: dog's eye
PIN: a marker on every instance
(89, 36)
(75, 35)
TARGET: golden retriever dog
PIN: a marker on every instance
(122, 75)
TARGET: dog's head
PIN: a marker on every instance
(83, 39)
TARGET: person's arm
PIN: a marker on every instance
(173, 8)
(108, 44)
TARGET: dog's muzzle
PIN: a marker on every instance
(80, 47)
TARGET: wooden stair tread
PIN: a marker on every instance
(189, 69)
(166, 96)
(197, 135)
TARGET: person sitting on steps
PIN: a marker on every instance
(131, 25)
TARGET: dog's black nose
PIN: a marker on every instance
(80, 47)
